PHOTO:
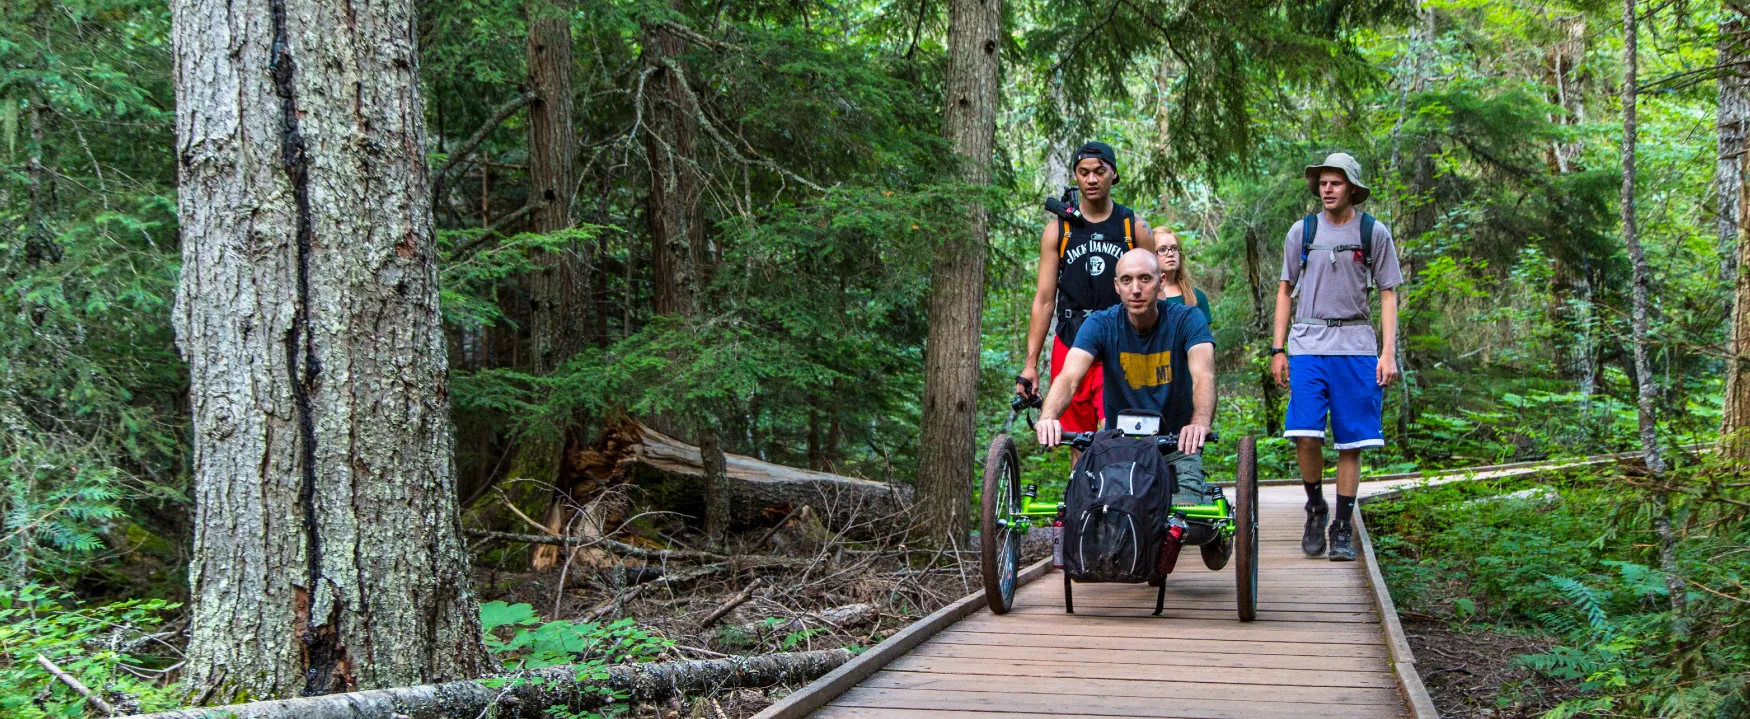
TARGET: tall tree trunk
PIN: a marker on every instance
(1733, 109)
(1648, 390)
(951, 352)
(326, 553)
(553, 325)
(680, 250)
(556, 307)
(1735, 420)
(675, 213)
(1570, 314)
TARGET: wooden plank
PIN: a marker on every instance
(1357, 676)
(1094, 705)
(1173, 611)
(1351, 603)
(818, 692)
(1163, 655)
(1084, 626)
(1191, 688)
(1120, 644)
(1403, 660)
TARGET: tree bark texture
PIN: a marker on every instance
(554, 323)
(675, 211)
(951, 352)
(1648, 390)
(1735, 419)
(326, 554)
(529, 694)
(1733, 109)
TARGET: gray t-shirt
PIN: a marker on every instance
(1336, 287)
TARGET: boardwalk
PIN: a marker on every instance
(1315, 650)
(1321, 647)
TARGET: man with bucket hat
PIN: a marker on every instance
(1329, 358)
(1078, 259)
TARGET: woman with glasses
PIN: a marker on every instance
(1177, 287)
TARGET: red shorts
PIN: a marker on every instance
(1087, 409)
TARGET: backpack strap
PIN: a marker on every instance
(1062, 242)
(1129, 242)
(1309, 226)
(1367, 223)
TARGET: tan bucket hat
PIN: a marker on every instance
(1350, 167)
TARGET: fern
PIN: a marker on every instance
(1587, 600)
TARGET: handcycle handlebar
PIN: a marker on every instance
(1166, 443)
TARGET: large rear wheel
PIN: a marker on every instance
(1246, 529)
(999, 516)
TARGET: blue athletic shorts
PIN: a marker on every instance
(1344, 386)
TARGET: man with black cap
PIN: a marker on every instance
(1331, 362)
(1078, 255)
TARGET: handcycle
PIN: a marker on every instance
(1219, 527)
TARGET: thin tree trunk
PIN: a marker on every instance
(326, 554)
(1735, 419)
(716, 469)
(1733, 109)
(1648, 390)
(951, 353)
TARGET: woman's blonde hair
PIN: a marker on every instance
(1182, 276)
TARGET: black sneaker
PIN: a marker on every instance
(1312, 541)
(1342, 542)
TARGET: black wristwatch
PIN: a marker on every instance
(1277, 351)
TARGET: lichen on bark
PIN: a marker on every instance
(326, 553)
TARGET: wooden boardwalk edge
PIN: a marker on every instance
(827, 688)
(1403, 660)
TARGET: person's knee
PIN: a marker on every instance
(1349, 455)
(1309, 444)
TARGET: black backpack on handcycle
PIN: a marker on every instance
(1115, 510)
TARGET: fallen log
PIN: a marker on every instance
(841, 618)
(653, 555)
(527, 695)
(672, 475)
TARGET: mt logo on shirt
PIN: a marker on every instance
(1146, 370)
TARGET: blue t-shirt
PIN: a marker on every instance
(1146, 371)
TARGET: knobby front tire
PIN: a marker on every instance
(998, 542)
(1246, 533)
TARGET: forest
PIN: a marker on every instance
(359, 346)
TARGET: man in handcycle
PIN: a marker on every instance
(1158, 357)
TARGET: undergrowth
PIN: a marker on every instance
(1574, 557)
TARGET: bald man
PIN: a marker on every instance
(1158, 357)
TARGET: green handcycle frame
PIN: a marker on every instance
(1003, 524)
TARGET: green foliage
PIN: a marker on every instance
(90, 423)
(533, 644)
(1576, 559)
(588, 647)
(113, 649)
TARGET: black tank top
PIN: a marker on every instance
(1086, 259)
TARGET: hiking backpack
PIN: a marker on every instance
(1309, 226)
(1119, 496)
